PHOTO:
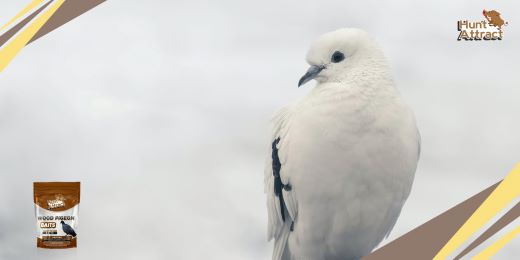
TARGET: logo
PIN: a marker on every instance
(489, 29)
(56, 203)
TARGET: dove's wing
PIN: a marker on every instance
(395, 208)
(281, 202)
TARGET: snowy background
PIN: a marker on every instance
(161, 110)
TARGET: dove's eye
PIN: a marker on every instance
(337, 57)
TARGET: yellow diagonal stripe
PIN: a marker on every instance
(29, 7)
(495, 247)
(506, 191)
(8, 52)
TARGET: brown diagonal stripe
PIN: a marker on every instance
(69, 10)
(7, 35)
(425, 241)
(509, 217)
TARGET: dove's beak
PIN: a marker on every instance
(311, 74)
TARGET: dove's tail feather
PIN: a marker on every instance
(280, 251)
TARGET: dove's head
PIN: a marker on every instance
(62, 222)
(339, 55)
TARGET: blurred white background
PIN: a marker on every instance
(161, 110)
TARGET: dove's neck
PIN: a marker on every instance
(366, 81)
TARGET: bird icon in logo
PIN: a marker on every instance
(68, 229)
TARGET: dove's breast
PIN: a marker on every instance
(351, 167)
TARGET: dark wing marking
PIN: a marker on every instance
(278, 185)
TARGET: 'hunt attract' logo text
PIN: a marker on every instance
(489, 29)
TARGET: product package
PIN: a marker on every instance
(57, 208)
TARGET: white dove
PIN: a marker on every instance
(342, 160)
